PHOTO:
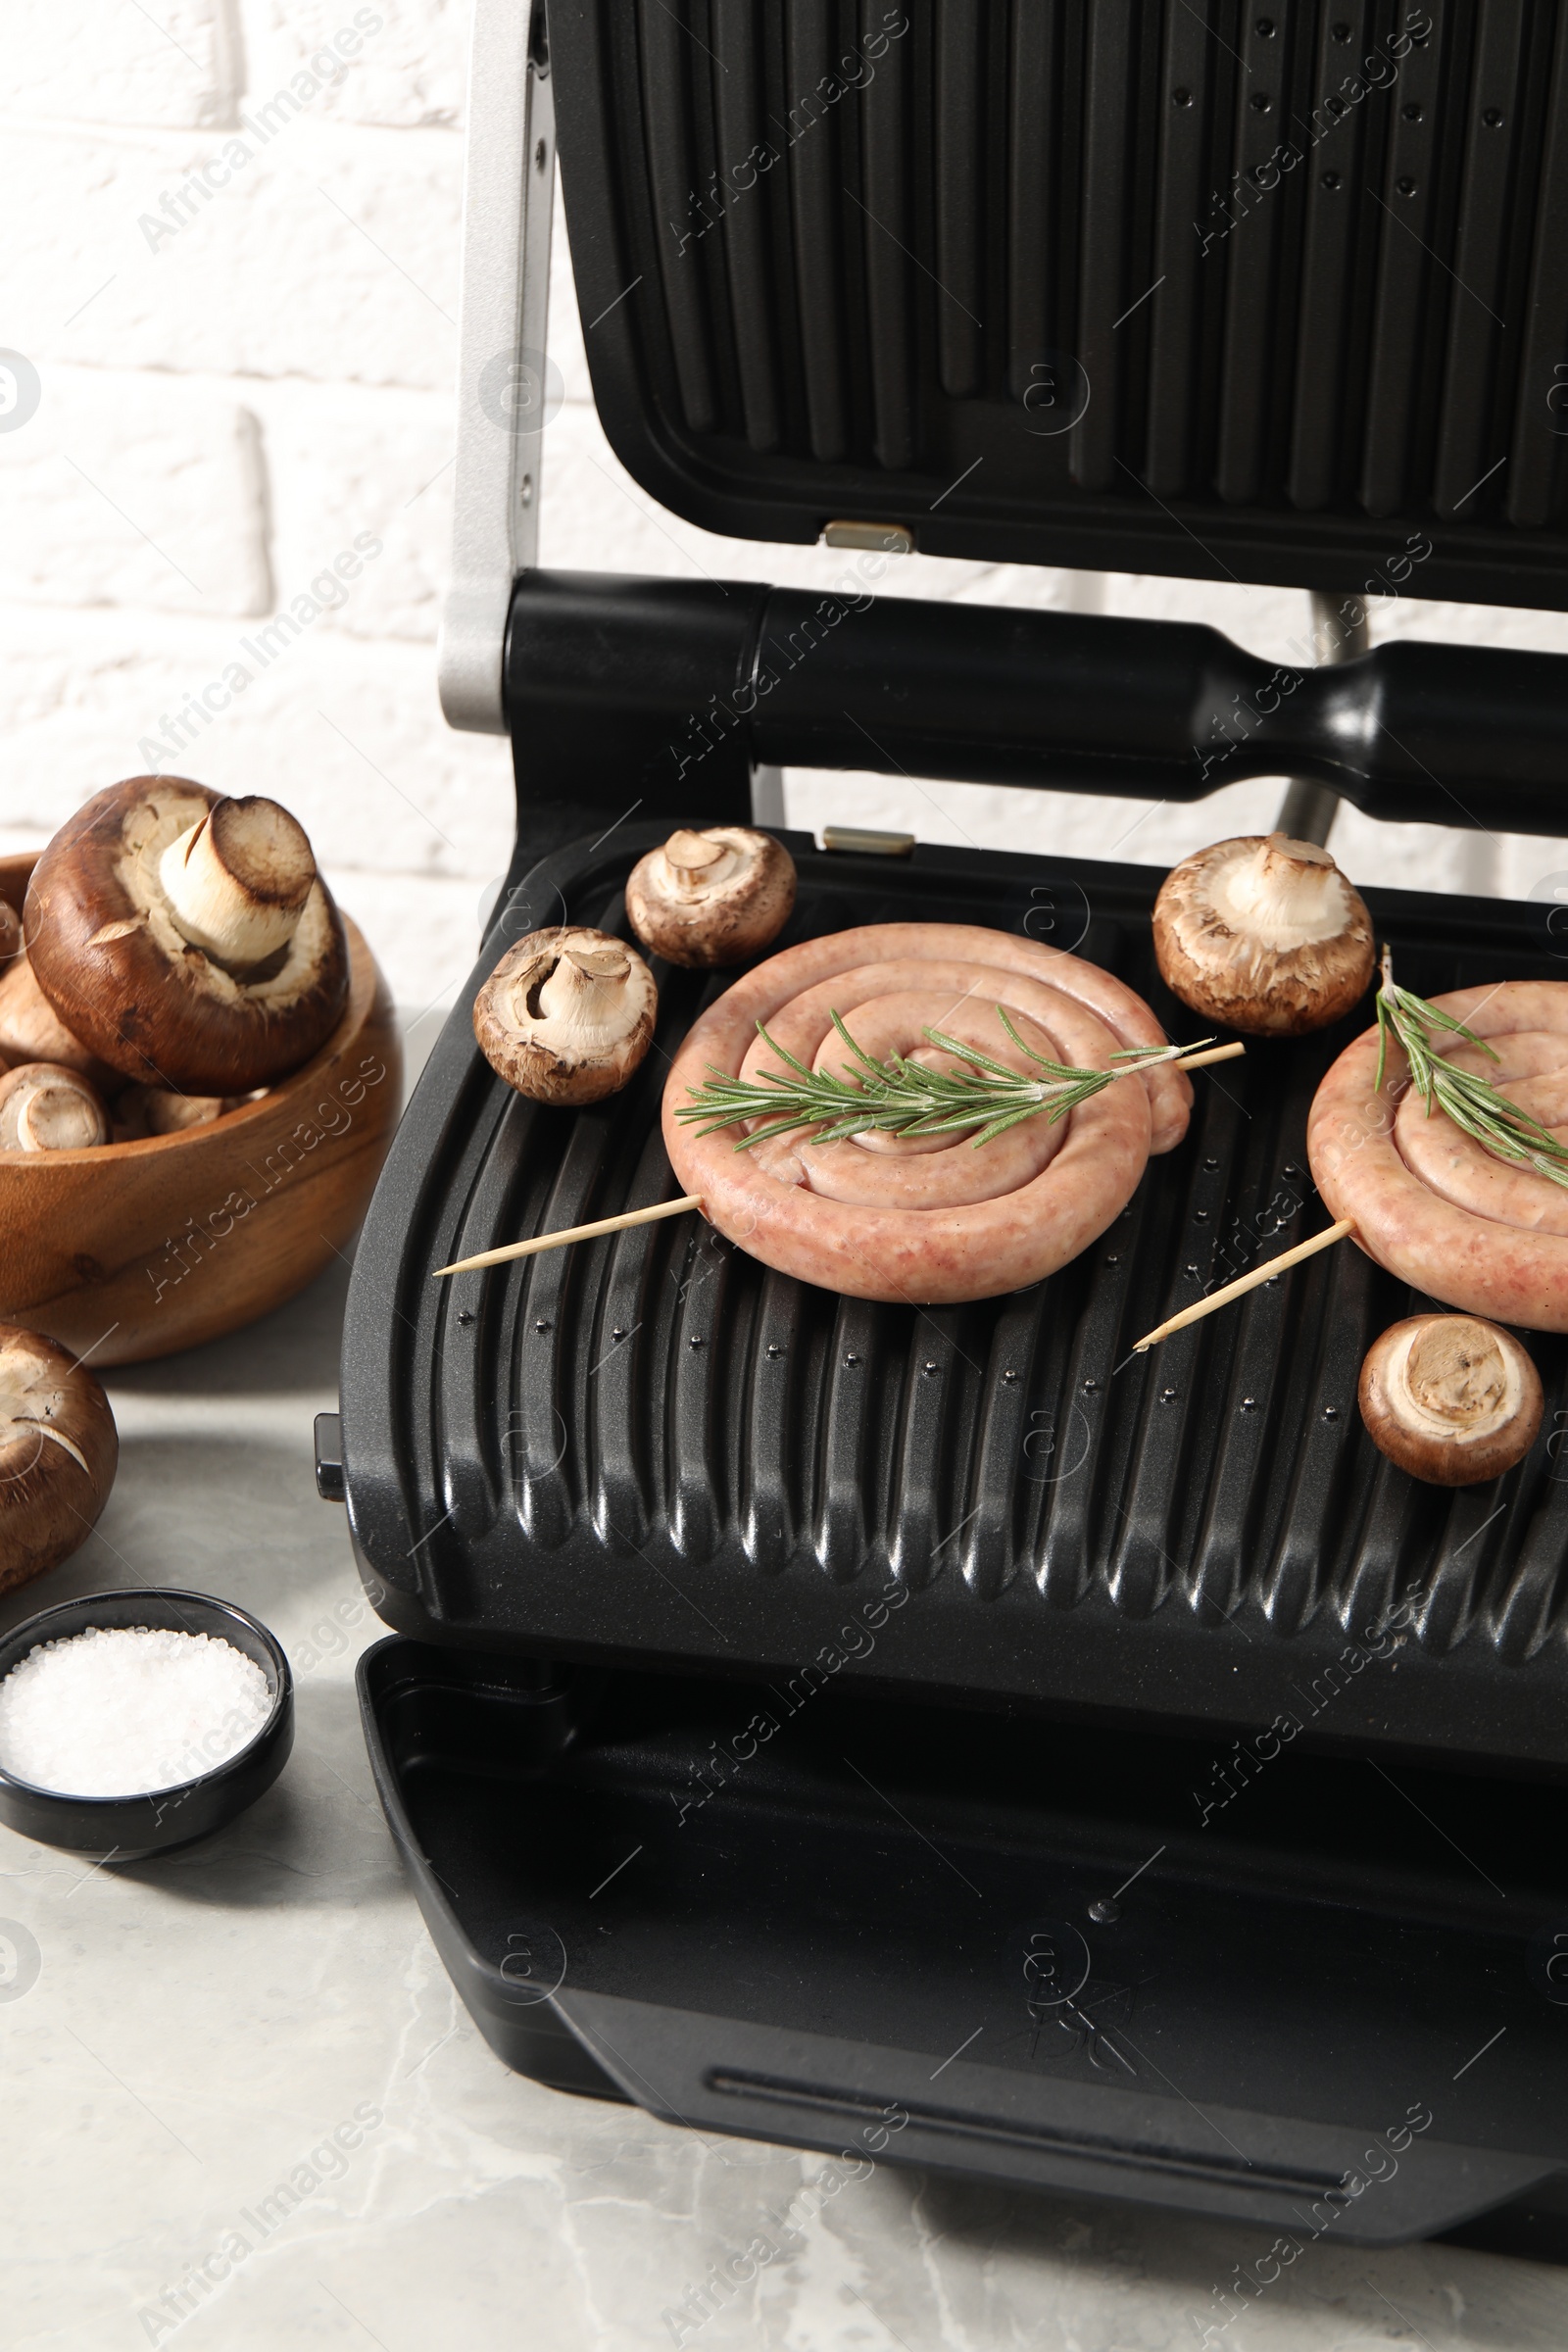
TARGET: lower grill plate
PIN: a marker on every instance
(650, 1450)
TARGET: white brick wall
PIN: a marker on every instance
(233, 262)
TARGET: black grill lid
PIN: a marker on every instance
(650, 1450)
(1196, 287)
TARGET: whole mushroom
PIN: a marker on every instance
(57, 1453)
(1264, 935)
(1450, 1399)
(10, 932)
(46, 1107)
(187, 939)
(710, 898)
(567, 1015)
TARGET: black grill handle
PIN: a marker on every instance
(664, 694)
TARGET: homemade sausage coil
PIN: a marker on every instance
(1429, 1202)
(931, 1221)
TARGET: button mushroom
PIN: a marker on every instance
(187, 939)
(1264, 935)
(1450, 1399)
(31, 1030)
(58, 1452)
(46, 1107)
(10, 932)
(712, 899)
(567, 1015)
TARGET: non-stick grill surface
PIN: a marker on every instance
(1205, 289)
(652, 1449)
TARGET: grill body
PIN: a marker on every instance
(1190, 1688)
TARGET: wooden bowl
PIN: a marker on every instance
(133, 1250)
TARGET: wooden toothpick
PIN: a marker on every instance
(574, 1233)
(1200, 1061)
(1248, 1282)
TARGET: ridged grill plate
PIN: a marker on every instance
(652, 1449)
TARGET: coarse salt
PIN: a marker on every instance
(120, 1709)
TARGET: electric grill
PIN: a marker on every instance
(934, 1733)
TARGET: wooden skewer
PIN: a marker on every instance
(574, 1233)
(1248, 1282)
(1200, 1061)
(675, 1208)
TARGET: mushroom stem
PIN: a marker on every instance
(238, 881)
(586, 992)
(1286, 892)
(696, 862)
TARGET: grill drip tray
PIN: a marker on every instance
(794, 1911)
(650, 1451)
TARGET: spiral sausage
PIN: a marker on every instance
(932, 1221)
(1429, 1202)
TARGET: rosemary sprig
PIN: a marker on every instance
(1477, 1107)
(905, 1098)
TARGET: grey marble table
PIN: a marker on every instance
(243, 2106)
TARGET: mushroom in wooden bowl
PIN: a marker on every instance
(243, 1045)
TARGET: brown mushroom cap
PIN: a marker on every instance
(30, 1029)
(1264, 935)
(712, 899)
(58, 1452)
(567, 1015)
(10, 932)
(46, 1107)
(1450, 1399)
(187, 939)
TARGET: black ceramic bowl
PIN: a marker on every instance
(129, 1828)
